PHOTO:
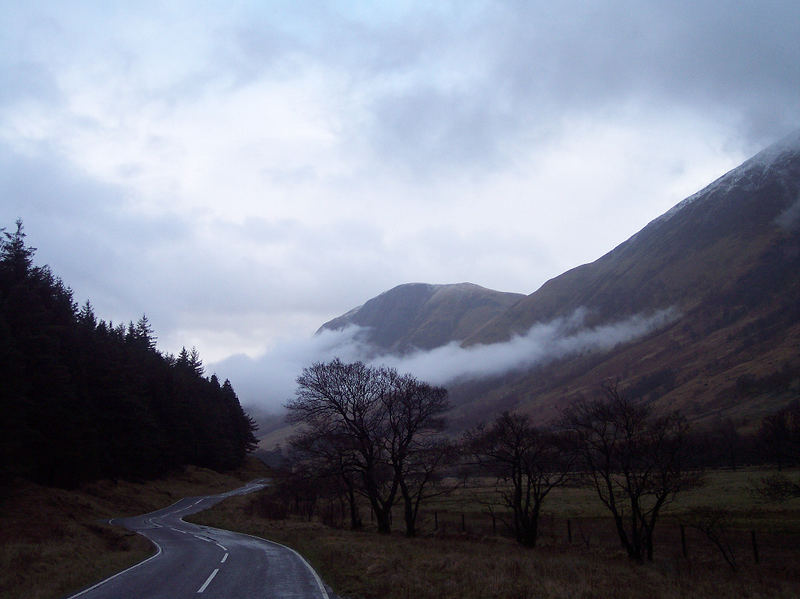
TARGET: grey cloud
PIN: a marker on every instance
(86, 230)
(185, 273)
(464, 83)
(430, 129)
(523, 67)
(713, 57)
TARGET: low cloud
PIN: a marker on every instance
(541, 344)
(268, 381)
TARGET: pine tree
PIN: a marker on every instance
(86, 316)
(195, 362)
(14, 256)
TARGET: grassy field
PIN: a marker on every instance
(54, 541)
(472, 563)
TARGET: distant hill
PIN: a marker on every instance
(418, 315)
(726, 260)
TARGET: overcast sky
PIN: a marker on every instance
(242, 172)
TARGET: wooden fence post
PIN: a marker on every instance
(683, 541)
(755, 545)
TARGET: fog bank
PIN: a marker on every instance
(269, 380)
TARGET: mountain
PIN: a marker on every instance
(726, 259)
(422, 316)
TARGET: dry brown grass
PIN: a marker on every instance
(54, 541)
(478, 564)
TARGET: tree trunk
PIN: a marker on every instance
(384, 519)
(355, 516)
(623, 537)
(409, 513)
(411, 529)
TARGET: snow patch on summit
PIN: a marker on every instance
(755, 167)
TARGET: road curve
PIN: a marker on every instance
(207, 563)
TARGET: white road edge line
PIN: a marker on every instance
(208, 581)
(314, 572)
(158, 547)
(302, 559)
(224, 557)
(102, 582)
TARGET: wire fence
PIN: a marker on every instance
(672, 536)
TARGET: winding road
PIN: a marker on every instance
(204, 563)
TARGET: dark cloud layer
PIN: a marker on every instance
(500, 70)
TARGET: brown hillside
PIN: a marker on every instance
(728, 259)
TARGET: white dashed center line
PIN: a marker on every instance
(208, 581)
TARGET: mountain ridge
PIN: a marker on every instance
(727, 259)
(701, 225)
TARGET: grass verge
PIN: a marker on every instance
(54, 542)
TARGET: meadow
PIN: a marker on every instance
(460, 552)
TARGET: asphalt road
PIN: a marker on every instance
(204, 563)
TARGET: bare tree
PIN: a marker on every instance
(634, 460)
(715, 523)
(527, 464)
(415, 449)
(378, 427)
(779, 436)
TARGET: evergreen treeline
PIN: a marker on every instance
(82, 399)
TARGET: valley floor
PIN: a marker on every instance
(54, 542)
(475, 562)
